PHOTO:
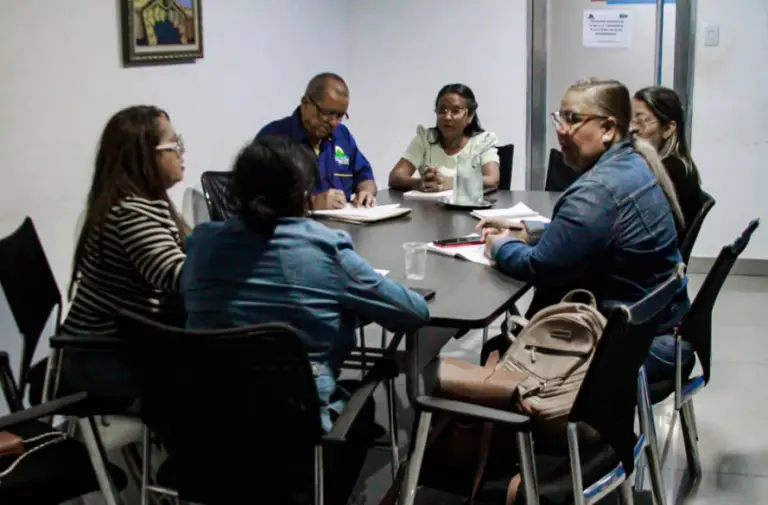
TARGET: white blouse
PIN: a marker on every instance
(424, 150)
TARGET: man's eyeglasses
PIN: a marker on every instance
(326, 114)
(177, 146)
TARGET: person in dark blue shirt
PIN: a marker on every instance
(345, 175)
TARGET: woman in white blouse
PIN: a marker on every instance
(434, 155)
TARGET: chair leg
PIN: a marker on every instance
(625, 493)
(648, 427)
(383, 338)
(528, 468)
(98, 459)
(319, 489)
(363, 355)
(411, 481)
(393, 428)
(146, 456)
(690, 437)
(485, 335)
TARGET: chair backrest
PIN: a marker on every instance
(225, 402)
(30, 288)
(696, 327)
(559, 175)
(608, 396)
(506, 159)
(216, 190)
(705, 203)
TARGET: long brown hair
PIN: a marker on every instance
(126, 165)
(611, 98)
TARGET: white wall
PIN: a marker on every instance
(61, 79)
(403, 51)
(730, 122)
(570, 61)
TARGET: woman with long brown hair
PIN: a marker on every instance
(130, 250)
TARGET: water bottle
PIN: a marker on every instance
(468, 182)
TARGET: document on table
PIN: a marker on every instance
(470, 252)
(362, 215)
(383, 273)
(422, 195)
(518, 211)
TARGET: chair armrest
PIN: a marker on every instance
(517, 421)
(8, 384)
(47, 409)
(85, 342)
(384, 369)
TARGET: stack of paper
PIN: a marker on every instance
(519, 212)
(422, 195)
(363, 215)
(470, 252)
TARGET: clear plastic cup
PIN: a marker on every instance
(415, 260)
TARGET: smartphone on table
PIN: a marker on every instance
(453, 242)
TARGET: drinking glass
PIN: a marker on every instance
(415, 260)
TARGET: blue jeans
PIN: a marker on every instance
(660, 363)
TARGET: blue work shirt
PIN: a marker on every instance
(305, 275)
(340, 163)
(612, 232)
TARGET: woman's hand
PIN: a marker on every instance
(491, 236)
(431, 180)
(501, 224)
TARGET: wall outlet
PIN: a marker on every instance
(711, 36)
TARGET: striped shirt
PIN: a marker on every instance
(134, 263)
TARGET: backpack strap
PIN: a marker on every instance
(581, 296)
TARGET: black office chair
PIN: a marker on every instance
(609, 395)
(696, 328)
(33, 296)
(53, 468)
(216, 190)
(559, 175)
(706, 202)
(237, 410)
(506, 159)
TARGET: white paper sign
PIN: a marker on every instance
(608, 29)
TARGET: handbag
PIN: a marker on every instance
(13, 445)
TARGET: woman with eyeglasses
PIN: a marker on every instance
(613, 231)
(130, 249)
(659, 118)
(431, 160)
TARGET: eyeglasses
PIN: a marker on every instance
(570, 118)
(643, 121)
(456, 113)
(326, 114)
(177, 146)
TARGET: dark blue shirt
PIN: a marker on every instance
(340, 163)
(612, 232)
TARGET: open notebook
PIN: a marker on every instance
(362, 215)
(422, 195)
(471, 252)
(518, 211)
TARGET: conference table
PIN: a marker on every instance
(468, 295)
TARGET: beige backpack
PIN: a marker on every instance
(555, 349)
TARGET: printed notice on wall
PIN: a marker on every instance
(607, 29)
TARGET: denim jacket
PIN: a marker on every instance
(612, 232)
(305, 275)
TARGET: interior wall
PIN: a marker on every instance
(403, 51)
(730, 132)
(62, 79)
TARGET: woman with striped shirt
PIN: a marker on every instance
(131, 246)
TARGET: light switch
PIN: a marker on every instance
(711, 36)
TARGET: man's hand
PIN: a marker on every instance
(493, 235)
(431, 180)
(365, 199)
(331, 199)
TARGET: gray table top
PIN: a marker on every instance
(469, 295)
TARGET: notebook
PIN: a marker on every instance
(421, 195)
(472, 252)
(363, 215)
(518, 211)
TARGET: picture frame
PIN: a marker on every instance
(161, 31)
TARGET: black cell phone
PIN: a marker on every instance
(472, 239)
(426, 293)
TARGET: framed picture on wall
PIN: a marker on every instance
(156, 31)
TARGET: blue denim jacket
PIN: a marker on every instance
(305, 275)
(612, 232)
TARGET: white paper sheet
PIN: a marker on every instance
(352, 211)
(382, 272)
(421, 195)
(607, 29)
(518, 211)
(473, 253)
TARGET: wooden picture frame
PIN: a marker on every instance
(157, 31)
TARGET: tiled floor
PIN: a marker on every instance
(732, 411)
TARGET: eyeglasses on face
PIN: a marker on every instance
(177, 146)
(326, 114)
(456, 112)
(641, 121)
